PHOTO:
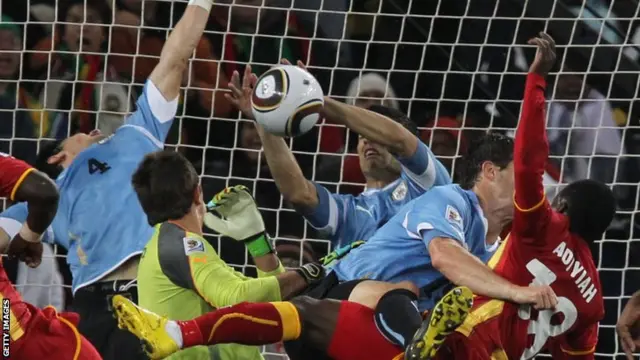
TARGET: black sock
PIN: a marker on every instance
(397, 316)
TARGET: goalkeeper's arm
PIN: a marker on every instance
(220, 285)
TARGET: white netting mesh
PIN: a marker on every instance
(458, 65)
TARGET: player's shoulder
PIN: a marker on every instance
(450, 194)
(176, 244)
(8, 163)
(152, 104)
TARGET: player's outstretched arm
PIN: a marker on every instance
(221, 285)
(167, 75)
(464, 269)
(370, 125)
(531, 148)
(284, 168)
(24, 184)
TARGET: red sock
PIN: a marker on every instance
(244, 323)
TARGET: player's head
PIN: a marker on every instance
(168, 187)
(70, 147)
(376, 161)
(488, 168)
(590, 206)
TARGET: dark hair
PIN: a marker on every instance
(590, 206)
(47, 150)
(165, 183)
(395, 115)
(492, 146)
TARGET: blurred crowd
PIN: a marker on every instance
(455, 67)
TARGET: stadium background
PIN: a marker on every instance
(456, 67)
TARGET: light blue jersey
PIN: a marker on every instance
(348, 218)
(100, 220)
(399, 250)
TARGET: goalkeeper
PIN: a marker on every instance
(180, 274)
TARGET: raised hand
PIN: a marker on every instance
(240, 95)
(545, 55)
(629, 325)
(234, 213)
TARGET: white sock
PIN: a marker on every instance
(173, 330)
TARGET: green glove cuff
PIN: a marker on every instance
(259, 246)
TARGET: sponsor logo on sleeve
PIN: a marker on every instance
(192, 245)
(453, 216)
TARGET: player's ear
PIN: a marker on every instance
(197, 195)
(57, 158)
(488, 170)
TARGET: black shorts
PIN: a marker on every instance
(331, 288)
(97, 324)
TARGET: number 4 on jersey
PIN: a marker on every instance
(96, 165)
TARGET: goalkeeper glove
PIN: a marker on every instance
(312, 273)
(232, 212)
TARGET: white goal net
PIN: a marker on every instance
(456, 67)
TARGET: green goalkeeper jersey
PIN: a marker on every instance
(182, 277)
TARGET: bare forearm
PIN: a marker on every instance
(464, 269)
(41, 195)
(177, 50)
(372, 126)
(291, 284)
(286, 172)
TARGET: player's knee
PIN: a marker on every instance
(318, 319)
(305, 305)
(408, 285)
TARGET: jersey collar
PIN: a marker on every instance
(369, 191)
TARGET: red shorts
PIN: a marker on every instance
(458, 346)
(52, 336)
(357, 337)
(476, 339)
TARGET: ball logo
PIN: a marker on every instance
(266, 88)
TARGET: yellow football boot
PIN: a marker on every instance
(449, 313)
(147, 326)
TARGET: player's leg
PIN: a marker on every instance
(54, 336)
(449, 313)
(93, 304)
(369, 292)
(244, 323)
(356, 336)
(396, 314)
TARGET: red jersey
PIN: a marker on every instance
(12, 173)
(539, 250)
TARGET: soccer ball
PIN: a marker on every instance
(287, 101)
